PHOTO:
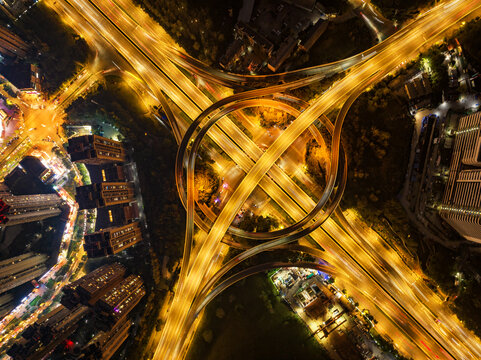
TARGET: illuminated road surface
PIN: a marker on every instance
(397, 56)
(380, 65)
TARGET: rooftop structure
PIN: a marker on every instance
(104, 345)
(307, 5)
(6, 304)
(11, 45)
(19, 209)
(21, 269)
(285, 50)
(268, 32)
(117, 215)
(119, 301)
(47, 333)
(34, 166)
(4, 190)
(112, 240)
(461, 206)
(418, 87)
(91, 287)
(313, 35)
(94, 149)
(245, 12)
(104, 194)
(108, 173)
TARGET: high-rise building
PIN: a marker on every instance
(47, 333)
(6, 304)
(10, 44)
(118, 302)
(19, 209)
(112, 240)
(461, 206)
(21, 269)
(94, 149)
(4, 190)
(89, 288)
(104, 345)
(32, 165)
(104, 194)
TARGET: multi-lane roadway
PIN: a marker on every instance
(403, 312)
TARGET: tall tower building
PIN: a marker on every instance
(91, 287)
(4, 190)
(104, 345)
(19, 209)
(10, 44)
(94, 149)
(461, 206)
(104, 194)
(118, 302)
(112, 240)
(6, 304)
(49, 331)
(21, 269)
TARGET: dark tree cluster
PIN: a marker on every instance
(317, 161)
(375, 135)
(438, 75)
(257, 223)
(401, 9)
(203, 28)
(388, 347)
(55, 48)
(252, 306)
(469, 36)
(456, 272)
(343, 39)
(207, 181)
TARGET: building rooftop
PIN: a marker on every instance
(122, 298)
(91, 287)
(112, 240)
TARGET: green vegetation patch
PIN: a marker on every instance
(35, 301)
(84, 173)
(50, 283)
(248, 321)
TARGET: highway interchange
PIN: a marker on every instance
(405, 307)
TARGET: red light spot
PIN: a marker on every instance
(69, 344)
(422, 342)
